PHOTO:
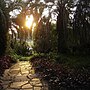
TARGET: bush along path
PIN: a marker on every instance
(21, 76)
(60, 76)
(5, 63)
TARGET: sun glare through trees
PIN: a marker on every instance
(29, 21)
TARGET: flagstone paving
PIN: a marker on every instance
(21, 76)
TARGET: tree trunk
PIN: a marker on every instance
(61, 42)
(62, 29)
(3, 33)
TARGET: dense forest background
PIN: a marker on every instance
(68, 34)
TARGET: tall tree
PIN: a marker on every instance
(3, 27)
(62, 23)
(82, 24)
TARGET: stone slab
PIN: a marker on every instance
(27, 86)
(37, 88)
(20, 78)
(16, 85)
(14, 71)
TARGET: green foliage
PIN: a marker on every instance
(25, 58)
(15, 57)
(42, 42)
(22, 49)
(75, 61)
(38, 55)
(53, 38)
(41, 46)
(12, 54)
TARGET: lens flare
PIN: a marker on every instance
(29, 21)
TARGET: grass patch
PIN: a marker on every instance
(24, 58)
(74, 61)
(16, 58)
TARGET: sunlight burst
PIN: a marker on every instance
(29, 21)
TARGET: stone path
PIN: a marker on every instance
(21, 76)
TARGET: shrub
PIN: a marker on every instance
(5, 62)
(22, 49)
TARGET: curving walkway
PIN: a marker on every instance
(21, 76)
